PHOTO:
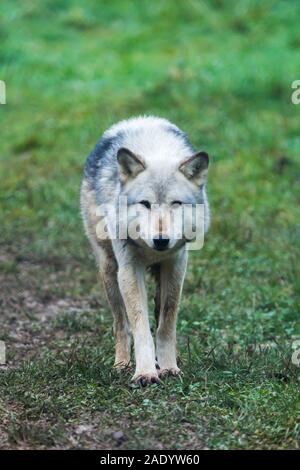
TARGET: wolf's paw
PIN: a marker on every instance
(145, 379)
(172, 371)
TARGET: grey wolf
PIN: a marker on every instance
(151, 162)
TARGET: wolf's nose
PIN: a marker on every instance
(160, 242)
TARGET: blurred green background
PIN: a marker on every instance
(222, 71)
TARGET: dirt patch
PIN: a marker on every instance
(33, 295)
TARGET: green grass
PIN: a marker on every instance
(221, 70)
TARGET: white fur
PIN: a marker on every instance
(146, 136)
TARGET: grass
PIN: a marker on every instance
(223, 72)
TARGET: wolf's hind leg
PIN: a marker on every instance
(171, 279)
(109, 273)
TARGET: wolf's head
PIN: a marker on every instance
(162, 198)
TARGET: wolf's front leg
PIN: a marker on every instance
(108, 271)
(172, 274)
(131, 280)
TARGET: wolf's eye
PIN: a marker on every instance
(146, 204)
(176, 203)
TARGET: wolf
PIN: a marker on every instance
(150, 162)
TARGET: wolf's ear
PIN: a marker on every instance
(195, 167)
(129, 164)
